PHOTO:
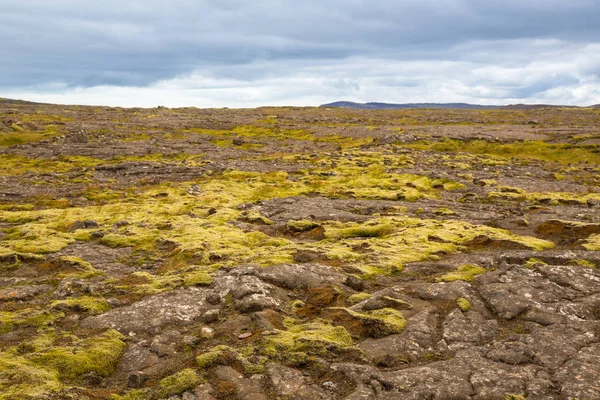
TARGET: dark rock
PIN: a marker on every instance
(210, 316)
(97, 235)
(354, 283)
(213, 298)
(306, 256)
(268, 320)
(135, 380)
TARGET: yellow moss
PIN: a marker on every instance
(466, 273)
(562, 153)
(359, 297)
(592, 243)
(19, 165)
(317, 337)
(411, 240)
(532, 262)
(358, 231)
(178, 383)
(85, 269)
(91, 305)
(228, 143)
(514, 397)
(20, 379)
(549, 198)
(209, 358)
(200, 277)
(463, 304)
(26, 318)
(98, 354)
(376, 323)
(301, 225)
(583, 263)
(393, 319)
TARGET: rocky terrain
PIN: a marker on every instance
(299, 253)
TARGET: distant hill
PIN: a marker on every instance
(464, 106)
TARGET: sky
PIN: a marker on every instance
(241, 53)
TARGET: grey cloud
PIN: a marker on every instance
(507, 49)
(140, 42)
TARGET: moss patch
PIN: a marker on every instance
(463, 304)
(465, 273)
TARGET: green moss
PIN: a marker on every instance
(465, 273)
(548, 198)
(532, 262)
(210, 358)
(178, 383)
(84, 269)
(514, 397)
(26, 318)
(253, 216)
(463, 304)
(301, 225)
(90, 305)
(135, 394)
(198, 278)
(376, 323)
(317, 337)
(583, 263)
(357, 231)
(562, 153)
(99, 354)
(359, 297)
(410, 240)
(592, 243)
(393, 319)
(20, 379)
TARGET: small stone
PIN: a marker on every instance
(135, 380)
(213, 298)
(207, 332)
(113, 302)
(245, 335)
(97, 235)
(210, 316)
(306, 256)
(355, 283)
(189, 340)
(329, 385)
(76, 226)
(194, 190)
(90, 224)
(385, 361)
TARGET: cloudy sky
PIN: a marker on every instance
(247, 53)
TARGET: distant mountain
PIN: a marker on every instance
(464, 106)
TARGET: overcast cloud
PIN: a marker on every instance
(214, 53)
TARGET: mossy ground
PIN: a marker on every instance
(179, 195)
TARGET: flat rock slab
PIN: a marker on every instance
(177, 307)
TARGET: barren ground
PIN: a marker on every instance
(299, 253)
